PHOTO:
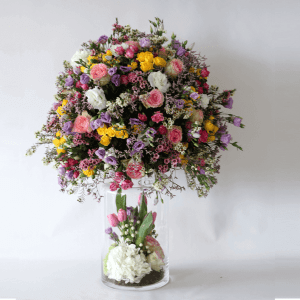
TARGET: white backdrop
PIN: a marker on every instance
(253, 46)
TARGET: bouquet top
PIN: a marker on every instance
(132, 105)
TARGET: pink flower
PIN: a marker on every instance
(204, 72)
(174, 67)
(154, 246)
(113, 220)
(82, 123)
(85, 87)
(78, 84)
(135, 170)
(78, 95)
(155, 99)
(133, 45)
(203, 136)
(175, 134)
(98, 71)
(76, 174)
(154, 215)
(202, 162)
(200, 90)
(162, 130)
(205, 86)
(124, 79)
(132, 77)
(119, 176)
(197, 115)
(129, 53)
(142, 117)
(188, 125)
(134, 48)
(157, 117)
(140, 199)
(126, 184)
(114, 186)
(122, 215)
(120, 50)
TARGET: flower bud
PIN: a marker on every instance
(122, 215)
(108, 230)
(140, 199)
(154, 215)
(113, 220)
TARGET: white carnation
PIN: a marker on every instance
(80, 54)
(96, 98)
(159, 80)
(125, 263)
(204, 100)
(155, 262)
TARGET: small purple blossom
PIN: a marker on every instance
(100, 153)
(61, 182)
(112, 71)
(102, 39)
(176, 44)
(179, 103)
(129, 210)
(194, 95)
(67, 128)
(108, 230)
(116, 79)
(229, 103)
(145, 42)
(114, 237)
(202, 172)
(237, 122)
(69, 175)
(105, 117)
(134, 121)
(69, 81)
(180, 51)
(77, 70)
(62, 171)
(150, 132)
(138, 146)
(96, 124)
(111, 160)
(128, 141)
(225, 139)
(125, 69)
(84, 78)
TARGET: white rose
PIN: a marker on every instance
(80, 54)
(204, 100)
(96, 98)
(159, 80)
(155, 262)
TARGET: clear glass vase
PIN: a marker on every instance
(152, 253)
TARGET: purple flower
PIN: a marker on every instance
(202, 171)
(84, 78)
(179, 103)
(102, 39)
(108, 230)
(150, 132)
(134, 121)
(61, 182)
(176, 44)
(128, 141)
(105, 117)
(229, 103)
(116, 79)
(222, 129)
(194, 95)
(129, 210)
(77, 70)
(125, 69)
(100, 153)
(111, 160)
(67, 128)
(96, 124)
(69, 81)
(225, 139)
(114, 237)
(237, 122)
(222, 148)
(145, 43)
(112, 71)
(69, 175)
(62, 171)
(180, 51)
(138, 146)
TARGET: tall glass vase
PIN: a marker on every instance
(135, 247)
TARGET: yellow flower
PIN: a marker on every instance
(159, 61)
(105, 140)
(92, 65)
(58, 133)
(133, 65)
(137, 129)
(188, 102)
(104, 58)
(211, 117)
(61, 111)
(110, 131)
(60, 151)
(149, 57)
(146, 66)
(211, 138)
(109, 53)
(141, 56)
(82, 69)
(64, 102)
(186, 145)
(101, 130)
(210, 127)
(89, 172)
(90, 58)
(191, 70)
(198, 72)
(56, 142)
(184, 161)
(151, 49)
(193, 89)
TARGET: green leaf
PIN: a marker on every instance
(236, 145)
(143, 231)
(143, 208)
(120, 201)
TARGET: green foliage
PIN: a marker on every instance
(237, 146)
(121, 201)
(143, 209)
(144, 229)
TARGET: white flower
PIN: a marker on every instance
(155, 262)
(126, 263)
(204, 100)
(113, 48)
(96, 98)
(159, 80)
(80, 54)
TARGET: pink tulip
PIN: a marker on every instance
(122, 215)
(154, 215)
(113, 220)
(140, 199)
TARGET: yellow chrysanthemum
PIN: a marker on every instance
(184, 161)
(109, 53)
(193, 89)
(141, 56)
(210, 127)
(61, 111)
(186, 145)
(149, 57)
(58, 133)
(211, 117)
(105, 140)
(211, 138)
(56, 142)
(101, 130)
(133, 65)
(159, 61)
(146, 66)
(188, 102)
(64, 102)
(110, 131)
(89, 172)
(60, 151)
(198, 72)
(192, 70)
(82, 69)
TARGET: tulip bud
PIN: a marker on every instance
(122, 215)
(113, 220)
(154, 216)
(140, 199)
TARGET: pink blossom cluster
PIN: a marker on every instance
(89, 162)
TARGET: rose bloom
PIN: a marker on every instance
(203, 136)
(157, 117)
(175, 134)
(129, 53)
(124, 79)
(126, 184)
(98, 71)
(162, 130)
(197, 115)
(133, 45)
(188, 125)
(174, 67)
(135, 170)
(142, 117)
(155, 99)
(204, 72)
(114, 186)
(82, 123)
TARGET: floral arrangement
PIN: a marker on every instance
(137, 252)
(132, 105)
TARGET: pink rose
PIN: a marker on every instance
(155, 99)
(205, 86)
(133, 45)
(113, 220)
(78, 95)
(175, 134)
(126, 184)
(157, 117)
(174, 67)
(204, 72)
(200, 90)
(124, 79)
(162, 130)
(188, 125)
(119, 176)
(120, 50)
(114, 186)
(142, 117)
(134, 48)
(135, 170)
(203, 136)
(129, 53)
(122, 215)
(140, 199)
(76, 174)
(78, 84)
(98, 71)
(82, 123)
(85, 87)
